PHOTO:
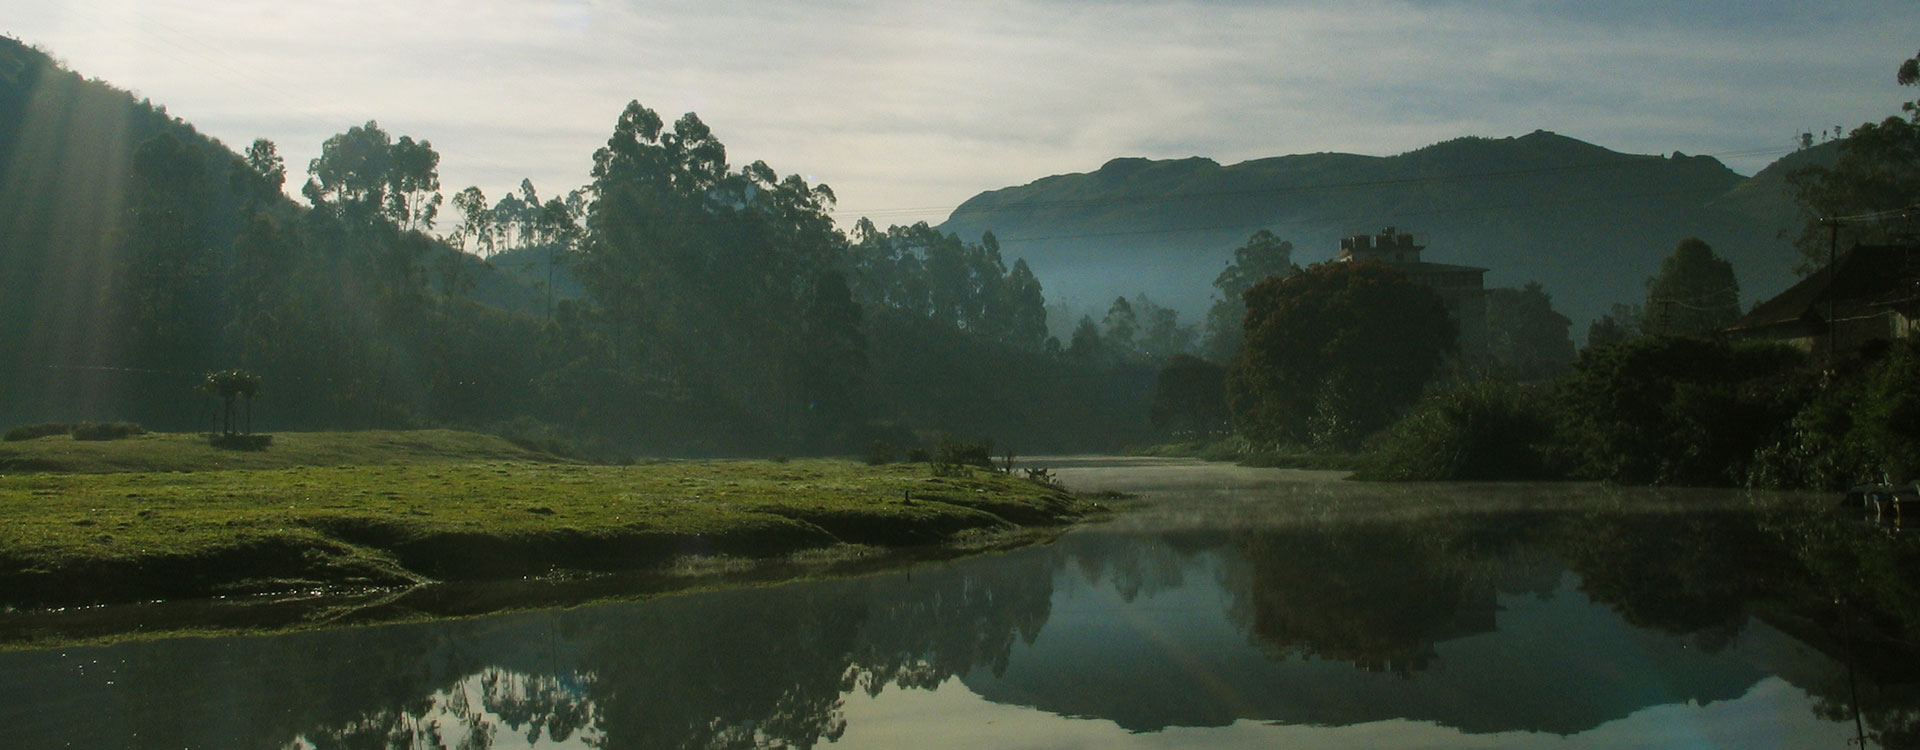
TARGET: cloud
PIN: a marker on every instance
(919, 105)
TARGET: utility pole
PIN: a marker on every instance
(1833, 244)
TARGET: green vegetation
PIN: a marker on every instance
(1483, 430)
(1526, 338)
(172, 452)
(1665, 410)
(166, 516)
(677, 305)
(1333, 353)
(1263, 256)
(1695, 293)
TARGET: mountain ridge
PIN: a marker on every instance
(1588, 222)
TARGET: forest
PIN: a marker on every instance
(676, 305)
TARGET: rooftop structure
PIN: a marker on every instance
(1462, 288)
(1871, 293)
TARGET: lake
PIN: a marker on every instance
(1232, 607)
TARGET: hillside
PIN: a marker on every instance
(121, 235)
(1589, 223)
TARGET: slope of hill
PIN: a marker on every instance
(1589, 223)
(124, 281)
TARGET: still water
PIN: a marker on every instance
(1236, 607)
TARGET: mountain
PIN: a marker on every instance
(1589, 223)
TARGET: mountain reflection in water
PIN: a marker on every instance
(1310, 604)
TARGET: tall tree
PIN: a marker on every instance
(1160, 334)
(1027, 307)
(476, 221)
(350, 174)
(1334, 353)
(363, 176)
(1694, 294)
(698, 275)
(259, 175)
(1526, 338)
(413, 185)
(1119, 326)
(1871, 189)
(1264, 255)
(167, 264)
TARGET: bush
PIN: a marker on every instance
(1484, 430)
(43, 429)
(106, 430)
(1675, 411)
(1858, 423)
(951, 456)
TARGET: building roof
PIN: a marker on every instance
(1865, 279)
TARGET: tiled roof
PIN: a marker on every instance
(1866, 277)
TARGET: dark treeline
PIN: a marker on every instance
(676, 304)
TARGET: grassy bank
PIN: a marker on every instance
(176, 452)
(159, 517)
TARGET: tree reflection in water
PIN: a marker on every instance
(472, 714)
(773, 666)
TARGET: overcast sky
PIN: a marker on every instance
(908, 108)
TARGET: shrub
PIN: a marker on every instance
(106, 430)
(43, 429)
(1484, 430)
(952, 456)
(1675, 411)
(1859, 422)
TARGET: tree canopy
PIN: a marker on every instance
(1871, 189)
(1694, 294)
(1264, 255)
(1526, 338)
(1335, 352)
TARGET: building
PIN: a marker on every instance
(1871, 293)
(1463, 288)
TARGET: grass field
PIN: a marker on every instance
(165, 516)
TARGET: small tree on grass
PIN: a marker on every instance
(230, 385)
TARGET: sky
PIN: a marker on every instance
(906, 109)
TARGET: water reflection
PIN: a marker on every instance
(1482, 617)
(493, 708)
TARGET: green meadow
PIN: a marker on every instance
(166, 516)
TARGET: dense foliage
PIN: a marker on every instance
(1263, 256)
(676, 304)
(1526, 338)
(1694, 294)
(1481, 430)
(1333, 353)
(1672, 410)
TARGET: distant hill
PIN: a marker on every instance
(1589, 223)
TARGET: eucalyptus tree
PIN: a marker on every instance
(363, 176)
(717, 292)
(476, 221)
(1262, 256)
